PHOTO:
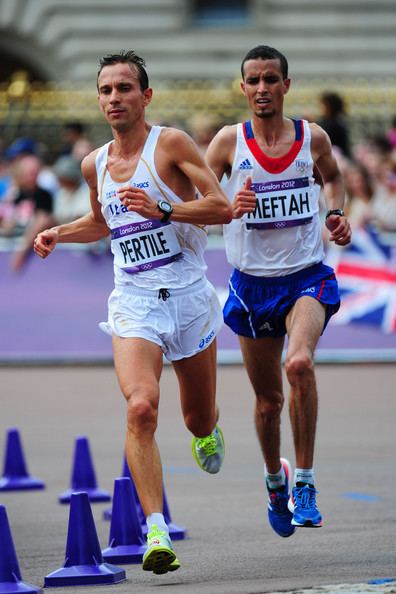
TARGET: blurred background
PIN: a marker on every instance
(342, 64)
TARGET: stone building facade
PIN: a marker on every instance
(194, 39)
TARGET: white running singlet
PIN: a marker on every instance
(283, 234)
(147, 253)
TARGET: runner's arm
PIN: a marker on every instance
(182, 153)
(90, 227)
(220, 156)
(333, 185)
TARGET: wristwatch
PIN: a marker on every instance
(166, 208)
(336, 211)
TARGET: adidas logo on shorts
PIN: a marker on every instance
(266, 326)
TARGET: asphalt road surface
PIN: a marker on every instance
(230, 548)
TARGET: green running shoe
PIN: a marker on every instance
(209, 451)
(159, 555)
(174, 565)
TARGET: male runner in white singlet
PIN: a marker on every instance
(143, 192)
(279, 285)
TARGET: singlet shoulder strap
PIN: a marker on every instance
(101, 167)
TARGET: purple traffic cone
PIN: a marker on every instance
(84, 563)
(126, 540)
(140, 513)
(10, 575)
(15, 475)
(83, 475)
(176, 532)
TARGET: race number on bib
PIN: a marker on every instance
(144, 245)
(280, 204)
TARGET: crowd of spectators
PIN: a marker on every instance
(368, 167)
(370, 182)
(35, 195)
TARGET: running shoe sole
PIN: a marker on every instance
(307, 524)
(159, 559)
(175, 565)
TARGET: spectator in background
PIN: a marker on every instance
(77, 143)
(334, 122)
(203, 127)
(19, 148)
(384, 201)
(71, 201)
(5, 178)
(391, 133)
(30, 210)
(359, 190)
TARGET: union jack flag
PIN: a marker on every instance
(366, 274)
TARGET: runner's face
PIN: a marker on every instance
(120, 96)
(264, 87)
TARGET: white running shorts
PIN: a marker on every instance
(182, 322)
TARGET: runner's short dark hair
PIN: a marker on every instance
(127, 57)
(265, 52)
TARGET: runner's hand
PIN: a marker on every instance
(244, 201)
(136, 200)
(45, 242)
(340, 229)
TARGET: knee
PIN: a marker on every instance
(142, 412)
(299, 368)
(270, 408)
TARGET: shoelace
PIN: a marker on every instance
(207, 444)
(279, 501)
(155, 533)
(305, 497)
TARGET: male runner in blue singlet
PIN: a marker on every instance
(143, 193)
(279, 285)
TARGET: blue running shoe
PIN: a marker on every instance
(279, 515)
(303, 506)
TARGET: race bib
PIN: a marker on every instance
(144, 245)
(280, 204)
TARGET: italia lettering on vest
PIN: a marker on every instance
(115, 209)
(143, 247)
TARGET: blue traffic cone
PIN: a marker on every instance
(10, 575)
(140, 513)
(83, 475)
(126, 540)
(15, 475)
(176, 532)
(84, 563)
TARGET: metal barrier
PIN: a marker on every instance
(40, 110)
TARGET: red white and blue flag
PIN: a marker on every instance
(366, 274)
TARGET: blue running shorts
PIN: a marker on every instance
(257, 306)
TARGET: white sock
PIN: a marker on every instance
(156, 519)
(304, 475)
(274, 481)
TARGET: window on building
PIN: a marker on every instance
(219, 12)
